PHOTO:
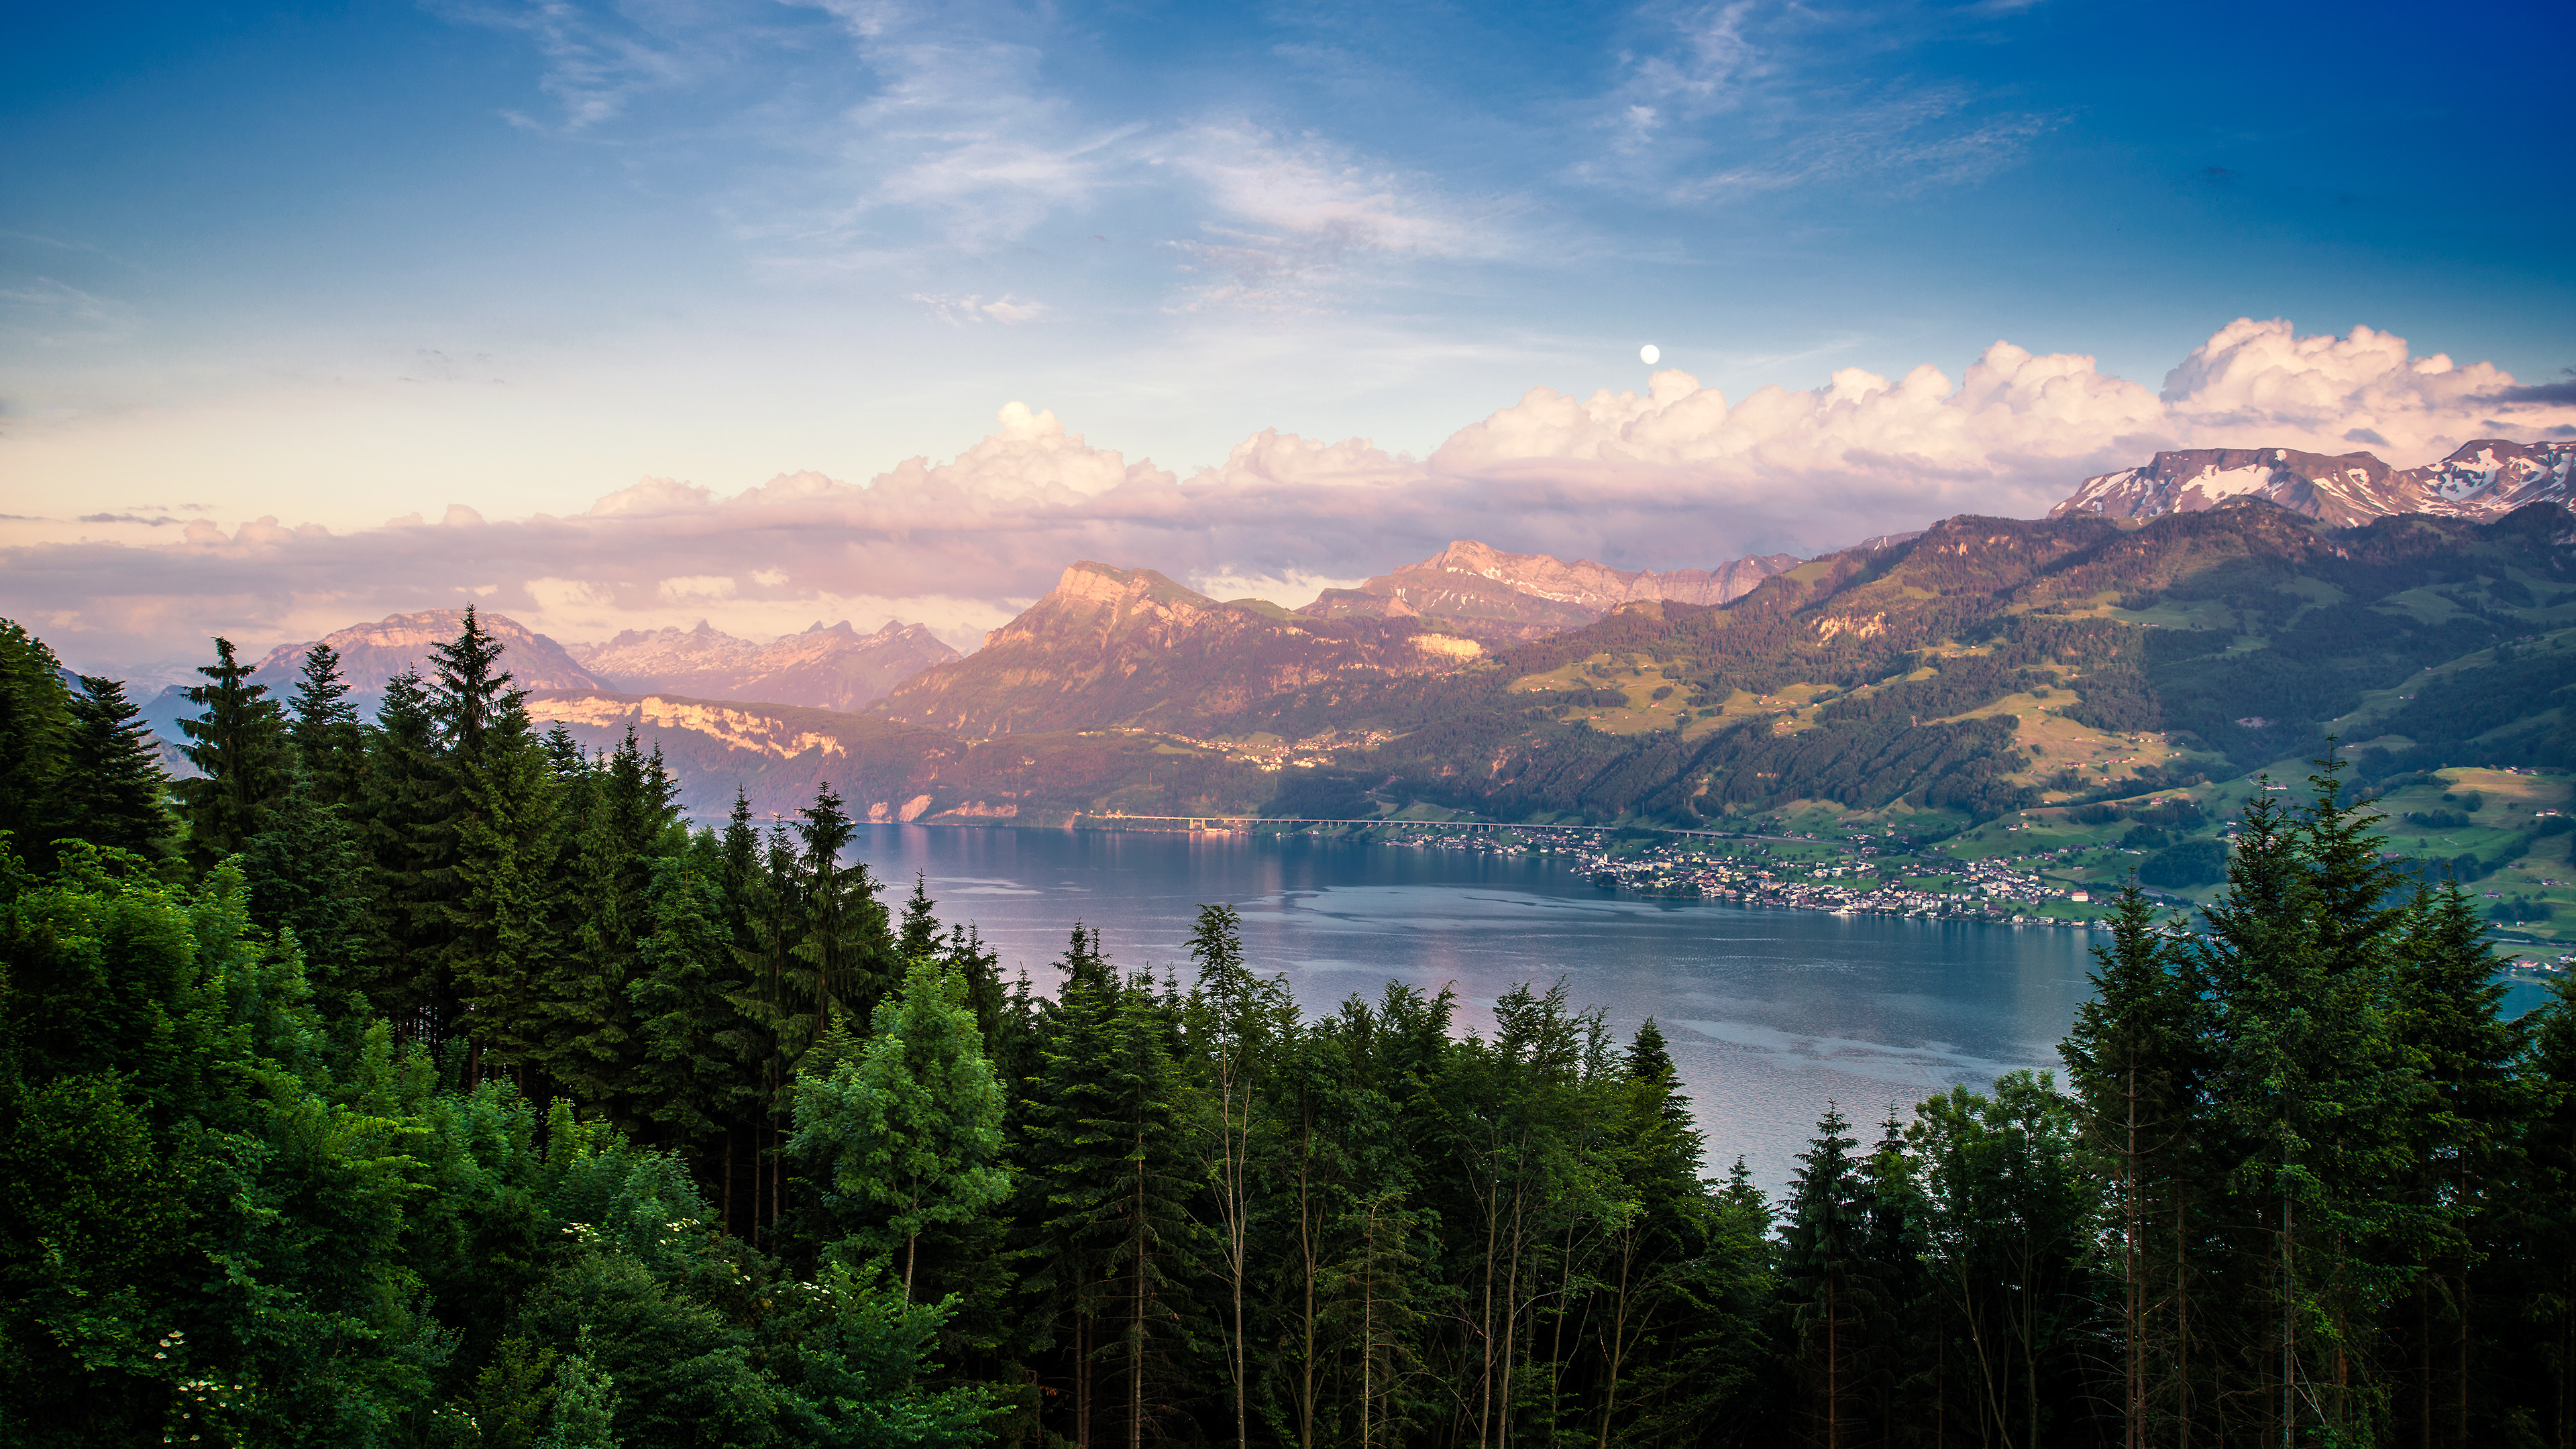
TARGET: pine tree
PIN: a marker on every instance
(240, 748)
(592, 1041)
(1073, 1162)
(35, 729)
(846, 952)
(2461, 1134)
(2135, 1061)
(407, 823)
(1656, 1234)
(909, 1135)
(1821, 1263)
(330, 743)
(114, 792)
(2309, 1087)
(503, 913)
(469, 692)
(306, 875)
(691, 1079)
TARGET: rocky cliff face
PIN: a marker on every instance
(1128, 647)
(1531, 595)
(2484, 479)
(372, 654)
(833, 667)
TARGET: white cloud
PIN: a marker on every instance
(1290, 589)
(697, 589)
(1006, 309)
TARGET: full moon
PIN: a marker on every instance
(1650, 354)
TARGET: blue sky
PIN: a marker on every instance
(341, 264)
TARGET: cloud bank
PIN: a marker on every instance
(1678, 476)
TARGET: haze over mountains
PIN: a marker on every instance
(826, 667)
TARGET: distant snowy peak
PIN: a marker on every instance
(2483, 479)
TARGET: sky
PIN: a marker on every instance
(627, 315)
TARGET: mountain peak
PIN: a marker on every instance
(2483, 479)
(1485, 590)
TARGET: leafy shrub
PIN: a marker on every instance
(2436, 819)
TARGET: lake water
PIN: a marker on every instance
(1770, 1013)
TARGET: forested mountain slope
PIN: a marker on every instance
(1933, 671)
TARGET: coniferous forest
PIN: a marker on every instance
(425, 1080)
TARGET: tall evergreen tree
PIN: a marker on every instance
(691, 1079)
(35, 729)
(1830, 1299)
(114, 791)
(846, 954)
(2135, 1059)
(240, 748)
(330, 742)
(306, 875)
(407, 821)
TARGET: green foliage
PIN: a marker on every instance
(2191, 864)
(908, 1135)
(239, 749)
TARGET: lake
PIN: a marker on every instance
(1770, 1013)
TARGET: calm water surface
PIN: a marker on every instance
(1771, 1013)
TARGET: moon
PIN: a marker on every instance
(1650, 354)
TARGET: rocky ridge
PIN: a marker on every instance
(1111, 647)
(2484, 479)
(1488, 592)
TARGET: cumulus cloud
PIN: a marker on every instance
(1675, 476)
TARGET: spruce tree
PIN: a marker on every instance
(114, 792)
(407, 821)
(1828, 1296)
(2136, 1062)
(846, 953)
(306, 875)
(35, 729)
(330, 743)
(2462, 1133)
(239, 746)
(691, 1079)
(503, 913)
(592, 1042)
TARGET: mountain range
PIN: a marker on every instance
(1497, 595)
(833, 667)
(2485, 479)
(2209, 612)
